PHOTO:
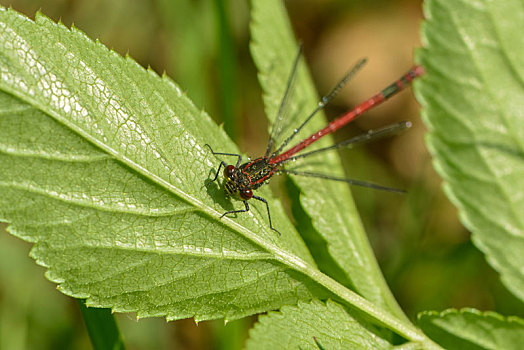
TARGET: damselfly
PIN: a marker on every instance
(242, 178)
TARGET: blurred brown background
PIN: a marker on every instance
(424, 251)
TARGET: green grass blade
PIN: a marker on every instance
(191, 47)
(227, 93)
(102, 328)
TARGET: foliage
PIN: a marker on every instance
(473, 99)
(103, 168)
(472, 329)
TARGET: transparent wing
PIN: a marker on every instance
(278, 125)
(324, 101)
(370, 135)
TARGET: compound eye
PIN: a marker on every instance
(229, 171)
(246, 194)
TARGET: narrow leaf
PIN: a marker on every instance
(473, 99)
(329, 204)
(472, 329)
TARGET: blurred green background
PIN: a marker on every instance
(424, 251)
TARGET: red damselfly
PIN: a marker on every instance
(241, 179)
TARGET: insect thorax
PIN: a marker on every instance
(249, 176)
(256, 172)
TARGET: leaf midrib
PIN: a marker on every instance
(297, 263)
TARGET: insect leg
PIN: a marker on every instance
(222, 164)
(237, 211)
(239, 160)
(268, 213)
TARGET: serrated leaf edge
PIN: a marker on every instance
(469, 311)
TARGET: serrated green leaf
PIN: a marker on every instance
(472, 329)
(473, 99)
(328, 203)
(295, 327)
(103, 167)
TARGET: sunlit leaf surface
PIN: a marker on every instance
(103, 167)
